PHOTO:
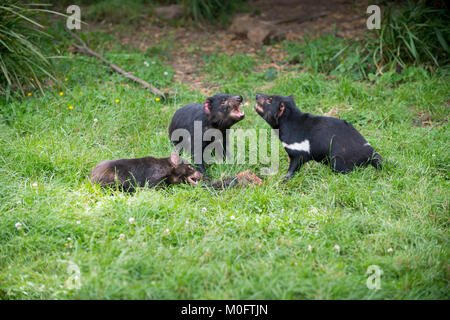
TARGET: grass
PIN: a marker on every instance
(250, 243)
(25, 48)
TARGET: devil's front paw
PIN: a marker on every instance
(286, 178)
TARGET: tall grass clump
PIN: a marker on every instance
(413, 33)
(212, 11)
(23, 62)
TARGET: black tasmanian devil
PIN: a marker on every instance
(129, 173)
(307, 137)
(220, 112)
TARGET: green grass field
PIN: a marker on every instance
(277, 241)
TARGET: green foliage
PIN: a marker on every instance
(24, 62)
(118, 12)
(224, 66)
(331, 55)
(413, 33)
(212, 11)
(276, 241)
(235, 73)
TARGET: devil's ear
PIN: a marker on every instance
(292, 97)
(281, 109)
(207, 106)
(174, 159)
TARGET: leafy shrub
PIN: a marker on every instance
(23, 62)
(413, 33)
(212, 11)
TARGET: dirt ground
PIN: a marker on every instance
(294, 18)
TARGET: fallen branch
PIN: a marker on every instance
(129, 75)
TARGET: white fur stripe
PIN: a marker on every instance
(299, 146)
(366, 144)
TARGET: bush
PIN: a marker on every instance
(23, 63)
(412, 33)
(212, 11)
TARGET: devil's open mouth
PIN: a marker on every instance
(258, 108)
(193, 179)
(237, 112)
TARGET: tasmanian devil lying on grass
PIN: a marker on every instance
(219, 112)
(129, 173)
(306, 137)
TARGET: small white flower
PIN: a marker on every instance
(78, 222)
(337, 248)
(95, 119)
(166, 232)
(390, 250)
(434, 155)
(18, 226)
(69, 239)
(131, 220)
(245, 104)
(314, 210)
(35, 185)
(204, 209)
(153, 62)
(121, 237)
(257, 220)
(146, 63)
(166, 73)
(232, 217)
(309, 248)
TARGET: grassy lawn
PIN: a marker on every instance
(270, 242)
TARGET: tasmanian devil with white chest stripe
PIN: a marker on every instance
(307, 137)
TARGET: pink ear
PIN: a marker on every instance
(174, 158)
(281, 110)
(206, 106)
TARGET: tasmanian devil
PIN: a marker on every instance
(220, 112)
(307, 137)
(129, 173)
